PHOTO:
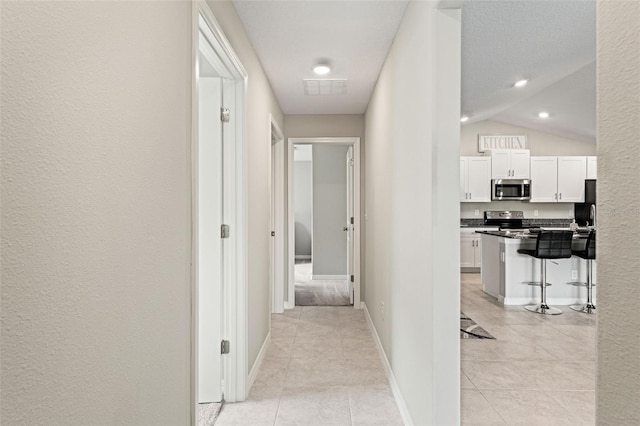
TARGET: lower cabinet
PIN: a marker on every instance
(470, 249)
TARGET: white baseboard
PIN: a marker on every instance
(397, 395)
(329, 277)
(256, 365)
(303, 256)
(289, 305)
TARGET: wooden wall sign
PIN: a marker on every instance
(487, 142)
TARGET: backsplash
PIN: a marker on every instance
(479, 223)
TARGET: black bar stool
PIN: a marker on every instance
(589, 253)
(550, 245)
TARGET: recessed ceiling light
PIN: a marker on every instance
(543, 114)
(321, 69)
(521, 83)
(464, 119)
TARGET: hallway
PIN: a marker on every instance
(322, 368)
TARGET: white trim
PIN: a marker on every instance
(253, 374)
(330, 277)
(276, 196)
(395, 389)
(235, 213)
(303, 256)
(355, 142)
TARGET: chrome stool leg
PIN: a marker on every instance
(543, 308)
(589, 307)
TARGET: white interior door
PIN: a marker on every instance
(209, 242)
(279, 293)
(349, 222)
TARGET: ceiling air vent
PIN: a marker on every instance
(326, 87)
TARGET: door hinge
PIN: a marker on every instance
(273, 233)
(225, 115)
(224, 347)
(225, 230)
(353, 278)
(352, 220)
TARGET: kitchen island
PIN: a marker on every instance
(506, 274)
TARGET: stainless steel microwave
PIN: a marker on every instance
(511, 189)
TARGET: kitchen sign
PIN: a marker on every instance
(486, 142)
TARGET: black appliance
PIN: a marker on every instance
(584, 213)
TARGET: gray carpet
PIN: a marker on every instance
(318, 292)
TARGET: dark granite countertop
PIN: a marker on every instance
(547, 223)
(520, 235)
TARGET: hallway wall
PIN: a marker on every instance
(96, 127)
(96, 209)
(618, 369)
(260, 102)
(412, 130)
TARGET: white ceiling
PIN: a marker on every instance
(291, 36)
(551, 42)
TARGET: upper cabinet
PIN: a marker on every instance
(558, 179)
(592, 167)
(475, 179)
(509, 164)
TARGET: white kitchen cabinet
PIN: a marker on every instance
(592, 167)
(475, 179)
(558, 179)
(544, 179)
(572, 171)
(470, 248)
(510, 164)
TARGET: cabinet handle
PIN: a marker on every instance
(561, 195)
(555, 196)
(470, 196)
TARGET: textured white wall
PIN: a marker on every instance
(618, 376)
(259, 101)
(96, 119)
(412, 129)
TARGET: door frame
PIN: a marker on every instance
(234, 305)
(346, 141)
(277, 247)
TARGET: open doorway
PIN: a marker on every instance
(218, 348)
(324, 248)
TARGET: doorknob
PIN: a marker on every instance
(345, 229)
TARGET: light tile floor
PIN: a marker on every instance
(540, 370)
(321, 368)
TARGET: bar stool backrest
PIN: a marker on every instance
(554, 244)
(590, 248)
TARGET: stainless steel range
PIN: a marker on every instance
(506, 219)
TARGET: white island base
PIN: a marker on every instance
(506, 273)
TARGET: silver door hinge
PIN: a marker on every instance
(225, 230)
(224, 347)
(225, 115)
(352, 220)
(352, 278)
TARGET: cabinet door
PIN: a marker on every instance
(592, 167)
(464, 197)
(572, 171)
(478, 252)
(544, 179)
(479, 179)
(500, 164)
(467, 250)
(520, 164)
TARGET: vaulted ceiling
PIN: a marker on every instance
(550, 43)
